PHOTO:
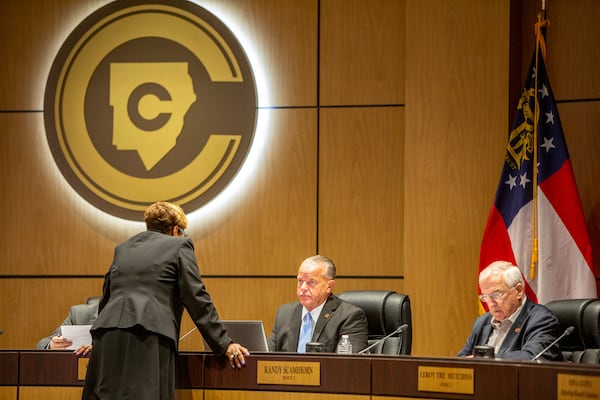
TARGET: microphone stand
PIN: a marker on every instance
(188, 333)
(567, 332)
(400, 329)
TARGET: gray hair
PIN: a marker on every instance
(329, 271)
(509, 272)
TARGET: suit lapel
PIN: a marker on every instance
(486, 333)
(326, 313)
(295, 327)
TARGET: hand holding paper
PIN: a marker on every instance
(59, 343)
(78, 335)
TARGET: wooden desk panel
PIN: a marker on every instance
(189, 371)
(48, 374)
(59, 368)
(8, 393)
(262, 395)
(538, 381)
(398, 376)
(48, 368)
(9, 368)
(339, 374)
(50, 393)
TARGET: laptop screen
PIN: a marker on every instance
(248, 333)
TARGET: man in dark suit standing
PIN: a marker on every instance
(79, 314)
(153, 276)
(516, 327)
(328, 316)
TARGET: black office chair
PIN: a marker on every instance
(591, 325)
(587, 356)
(583, 345)
(386, 311)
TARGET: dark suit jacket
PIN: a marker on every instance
(80, 314)
(535, 328)
(336, 319)
(153, 276)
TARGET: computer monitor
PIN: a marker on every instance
(248, 333)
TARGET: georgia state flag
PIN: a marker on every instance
(564, 269)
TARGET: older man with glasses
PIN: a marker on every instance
(514, 326)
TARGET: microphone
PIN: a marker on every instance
(567, 332)
(188, 333)
(400, 329)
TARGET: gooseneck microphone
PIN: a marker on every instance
(400, 329)
(567, 332)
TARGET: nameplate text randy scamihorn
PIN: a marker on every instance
(288, 373)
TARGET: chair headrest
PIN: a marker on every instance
(588, 356)
(386, 310)
(591, 325)
(570, 312)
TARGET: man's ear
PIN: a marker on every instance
(520, 289)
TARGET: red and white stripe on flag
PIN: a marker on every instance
(564, 268)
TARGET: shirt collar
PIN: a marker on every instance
(314, 313)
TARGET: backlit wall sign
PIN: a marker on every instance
(148, 101)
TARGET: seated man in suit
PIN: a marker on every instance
(330, 317)
(80, 314)
(516, 327)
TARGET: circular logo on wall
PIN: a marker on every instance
(149, 101)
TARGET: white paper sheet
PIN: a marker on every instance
(78, 334)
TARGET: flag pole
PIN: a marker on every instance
(540, 44)
(536, 116)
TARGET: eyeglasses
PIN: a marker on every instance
(182, 231)
(489, 297)
(310, 284)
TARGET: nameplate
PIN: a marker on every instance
(288, 373)
(570, 387)
(446, 380)
(82, 364)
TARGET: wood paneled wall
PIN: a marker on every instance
(456, 86)
(388, 122)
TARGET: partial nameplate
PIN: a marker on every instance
(288, 373)
(570, 387)
(446, 380)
